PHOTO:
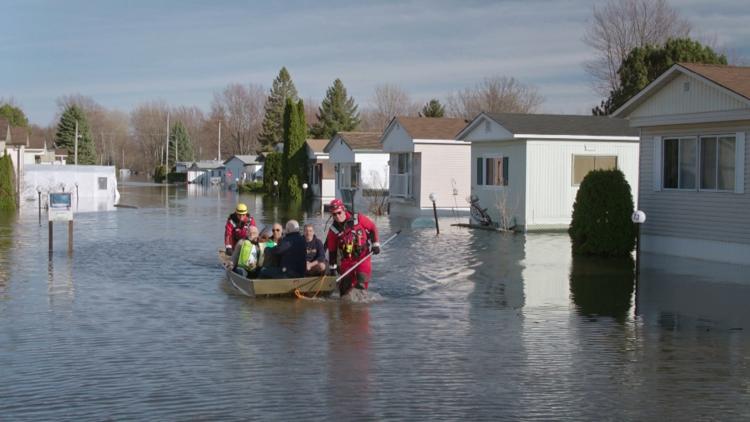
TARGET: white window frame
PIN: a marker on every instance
(739, 157)
(679, 160)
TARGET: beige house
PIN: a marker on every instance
(425, 158)
(322, 177)
(693, 121)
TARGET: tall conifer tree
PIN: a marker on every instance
(178, 135)
(294, 166)
(272, 129)
(433, 109)
(65, 137)
(337, 113)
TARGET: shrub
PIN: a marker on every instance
(271, 171)
(7, 184)
(294, 188)
(251, 187)
(160, 172)
(177, 177)
(601, 215)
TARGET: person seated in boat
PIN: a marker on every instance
(290, 253)
(315, 253)
(275, 237)
(246, 255)
(236, 227)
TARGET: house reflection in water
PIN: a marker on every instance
(688, 293)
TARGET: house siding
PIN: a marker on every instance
(673, 99)
(711, 216)
(514, 194)
(441, 166)
(551, 192)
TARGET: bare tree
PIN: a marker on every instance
(241, 110)
(148, 123)
(494, 95)
(389, 101)
(618, 26)
(311, 111)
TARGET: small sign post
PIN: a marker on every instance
(638, 218)
(60, 209)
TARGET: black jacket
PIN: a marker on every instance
(291, 250)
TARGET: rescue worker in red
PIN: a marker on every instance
(237, 227)
(350, 238)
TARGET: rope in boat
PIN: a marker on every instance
(299, 294)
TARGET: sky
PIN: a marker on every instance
(123, 53)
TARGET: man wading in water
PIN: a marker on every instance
(353, 236)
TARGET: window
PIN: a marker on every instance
(717, 162)
(349, 175)
(492, 171)
(102, 183)
(707, 162)
(583, 164)
(403, 163)
(401, 175)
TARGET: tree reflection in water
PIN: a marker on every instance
(602, 286)
(7, 223)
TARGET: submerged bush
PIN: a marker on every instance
(601, 215)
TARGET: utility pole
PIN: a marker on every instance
(166, 155)
(218, 157)
(75, 153)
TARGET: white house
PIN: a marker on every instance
(206, 172)
(694, 120)
(526, 168)
(94, 188)
(322, 178)
(361, 167)
(425, 158)
(242, 167)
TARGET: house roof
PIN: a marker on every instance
(207, 164)
(558, 124)
(431, 127)
(246, 159)
(358, 141)
(61, 151)
(18, 136)
(317, 145)
(735, 79)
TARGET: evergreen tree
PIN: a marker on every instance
(294, 165)
(644, 64)
(272, 129)
(178, 135)
(65, 137)
(336, 113)
(14, 115)
(433, 109)
(7, 183)
(272, 169)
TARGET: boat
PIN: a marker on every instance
(315, 286)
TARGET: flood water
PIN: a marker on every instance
(139, 324)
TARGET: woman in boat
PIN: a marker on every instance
(246, 256)
(351, 237)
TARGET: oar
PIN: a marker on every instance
(368, 255)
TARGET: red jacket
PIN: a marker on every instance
(236, 228)
(350, 239)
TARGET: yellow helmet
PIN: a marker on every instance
(241, 209)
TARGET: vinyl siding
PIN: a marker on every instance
(514, 194)
(441, 166)
(699, 98)
(551, 192)
(717, 216)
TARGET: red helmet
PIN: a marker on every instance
(336, 205)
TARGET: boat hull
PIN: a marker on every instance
(308, 286)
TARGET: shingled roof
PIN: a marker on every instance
(317, 145)
(431, 127)
(562, 124)
(358, 141)
(733, 78)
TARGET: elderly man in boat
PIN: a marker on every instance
(290, 253)
(246, 258)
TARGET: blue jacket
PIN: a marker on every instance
(291, 250)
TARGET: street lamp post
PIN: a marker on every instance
(433, 198)
(276, 187)
(39, 195)
(638, 218)
(304, 190)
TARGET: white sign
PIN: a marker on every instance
(60, 207)
(638, 217)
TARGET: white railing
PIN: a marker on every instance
(400, 185)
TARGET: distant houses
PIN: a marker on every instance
(526, 168)
(694, 121)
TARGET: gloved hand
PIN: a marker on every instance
(376, 248)
(228, 251)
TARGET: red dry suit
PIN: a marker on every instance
(350, 241)
(236, 228)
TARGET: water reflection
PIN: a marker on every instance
(602, 286)
(60, 287)
(7, 226)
